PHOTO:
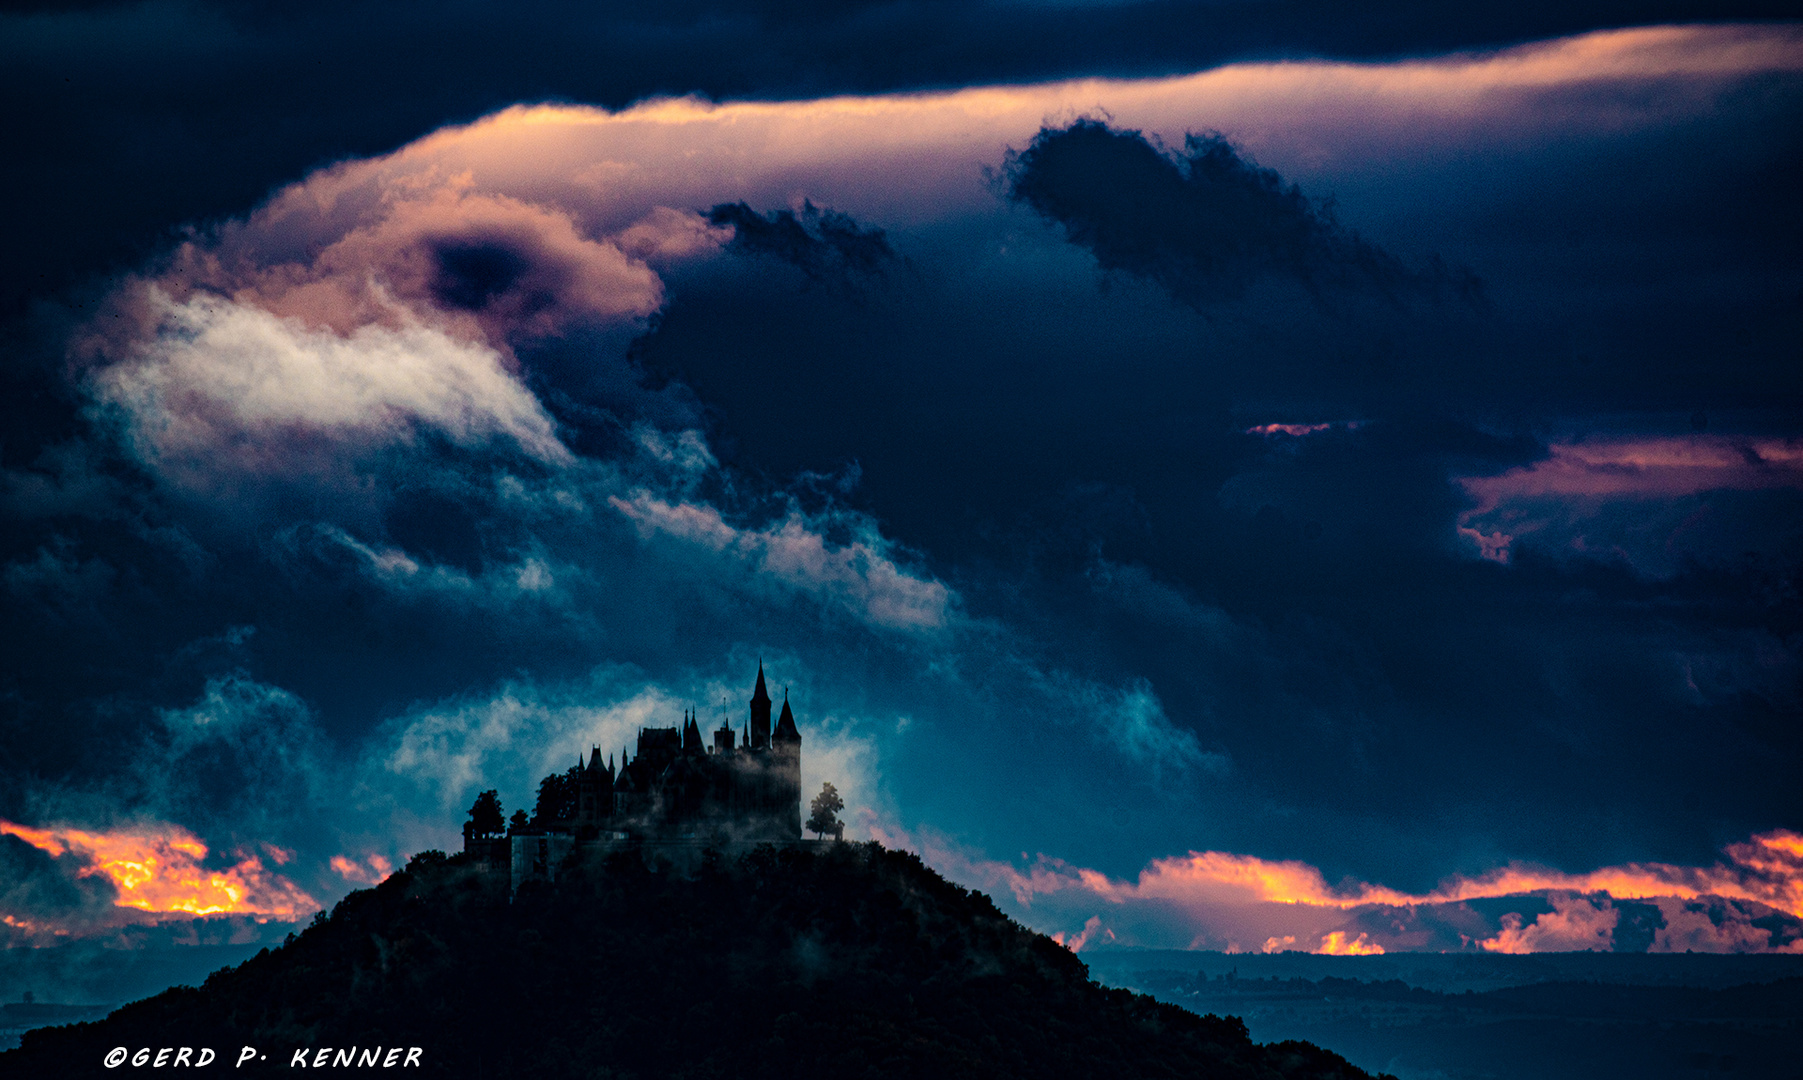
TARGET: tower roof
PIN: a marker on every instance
(785, 724)
(760, 694)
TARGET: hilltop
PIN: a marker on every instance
(842, 961)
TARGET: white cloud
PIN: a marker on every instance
(859, 576)
(226, 388)
(512, 739)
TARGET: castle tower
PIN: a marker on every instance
(595, 792)
(758, 737)
(785, 772)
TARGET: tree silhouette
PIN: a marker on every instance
(485, 816)
(823, 813)
(517, 822)
(558, 795)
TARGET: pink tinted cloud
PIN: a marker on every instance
(1297, 431)
(917, 157)
(370, 870)
(1242, 903)
(1576, 479)
(1715, 925)
(861, 576)
(484, 265)
(1575, 924)
(536, 219)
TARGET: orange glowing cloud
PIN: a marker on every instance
(158, 869)
(1766, 869)
(1338, 944)
(1215, 899)
(369, 871)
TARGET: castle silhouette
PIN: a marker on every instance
(674, 789)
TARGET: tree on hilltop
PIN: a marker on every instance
(823, 816)
(486, 818)
(558, 795)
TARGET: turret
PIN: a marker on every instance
(786, 732)
(759, 733)
(785, 772)
(594, 792)
(691, 738)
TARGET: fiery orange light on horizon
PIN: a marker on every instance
(1336, 944)
(1237, 901)
(157, 868)
(1766, 869)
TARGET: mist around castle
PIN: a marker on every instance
(671, 788)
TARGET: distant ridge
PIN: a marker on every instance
(841, 962)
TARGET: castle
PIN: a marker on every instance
(674, 789)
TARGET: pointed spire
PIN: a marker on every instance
(760, 694)
(785, 724)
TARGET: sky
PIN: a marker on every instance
(1225, 476)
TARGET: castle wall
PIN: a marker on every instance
(536, 858)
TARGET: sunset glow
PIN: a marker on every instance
(372, 870)
(1227, 496)
(1766, 869)
(159, 869)
(1337, 944)
(1216, 899)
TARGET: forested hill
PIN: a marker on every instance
(845, 962)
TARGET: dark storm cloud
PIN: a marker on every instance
(137, 117)
(1204, 223)
(369, 504)
(817, 242)
(40, 888)
(1305, 602)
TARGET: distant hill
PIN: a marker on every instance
(1570, 1029)
(842, 962)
